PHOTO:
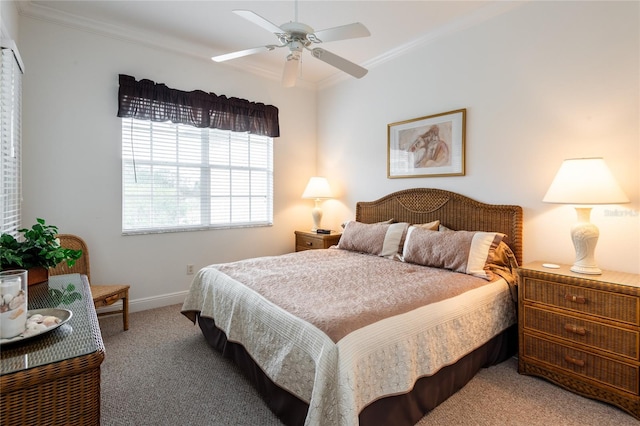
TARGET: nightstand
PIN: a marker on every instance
(582, 332)
(307, 240)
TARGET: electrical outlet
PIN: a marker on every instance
(190, 269)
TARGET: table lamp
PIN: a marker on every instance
(584, 182)
(317, 189)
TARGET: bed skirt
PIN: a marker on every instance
(398, 410)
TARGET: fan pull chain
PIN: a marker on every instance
(300, 67)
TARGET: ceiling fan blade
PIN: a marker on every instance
(259, 20)
(241, 53)
(343, 32)
(339, 62)
(291, 69)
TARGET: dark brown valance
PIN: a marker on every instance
(147, 100)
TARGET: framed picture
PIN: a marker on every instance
(427, 146)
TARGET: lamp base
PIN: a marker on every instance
(316, 214)
(584, 235)
(590, 270)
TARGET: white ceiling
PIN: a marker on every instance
(207, 28)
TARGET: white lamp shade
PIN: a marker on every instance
(317, 188)
(584, 181)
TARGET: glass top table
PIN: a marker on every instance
(42, 377)
(77, 337)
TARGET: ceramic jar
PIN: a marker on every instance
(13, 302)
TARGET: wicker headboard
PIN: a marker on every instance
(455, 211)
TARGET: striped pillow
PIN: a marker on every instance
(468, 252)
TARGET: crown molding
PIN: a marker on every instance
(472, 19)
(126, 33)
(156, 40)
(161, 41)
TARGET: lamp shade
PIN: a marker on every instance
(318, 187)
(584, 181)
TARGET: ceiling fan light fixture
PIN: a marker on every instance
(298, 36)
(293, 56)
(291, 70)
(296, 46)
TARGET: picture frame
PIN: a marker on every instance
(429, 146)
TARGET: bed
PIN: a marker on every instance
(417, 297)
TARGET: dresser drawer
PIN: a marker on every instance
(313, 241)
(613, 306)
(307, 243)
(617, 340)
(584, 364)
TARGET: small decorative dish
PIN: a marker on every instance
(39, 322)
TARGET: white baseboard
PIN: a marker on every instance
(136, 305)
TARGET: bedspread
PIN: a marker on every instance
(430, 319)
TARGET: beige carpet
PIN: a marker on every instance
(162, 372)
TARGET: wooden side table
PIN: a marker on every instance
(582, 332)
(311, 240)
(54, 378)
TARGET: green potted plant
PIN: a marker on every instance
(37, 251)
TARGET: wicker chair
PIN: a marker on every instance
(103, 295)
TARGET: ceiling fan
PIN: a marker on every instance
(297, 37)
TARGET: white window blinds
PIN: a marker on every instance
(10, 141)
(177, 177)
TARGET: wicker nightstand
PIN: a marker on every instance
(311, 240)
(582, 332)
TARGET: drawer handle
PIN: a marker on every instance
(575, 361)
(573, 298)
(309, 243)
(572, 328)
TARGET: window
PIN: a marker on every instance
(194, 160)
(176, 177)
(10, 139)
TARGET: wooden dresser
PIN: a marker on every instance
(582, 332)
(311, 240)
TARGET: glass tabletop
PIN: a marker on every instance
(79, 336)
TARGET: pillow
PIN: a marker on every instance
(432, 226)
(384, 221)
(461, 251)
(503, 258)
(381, 239)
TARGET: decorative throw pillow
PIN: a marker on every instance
(504, 257)
(381, 239)
(461, 251)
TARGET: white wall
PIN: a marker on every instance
(542, 82)
(71, 139)
(9, 19)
